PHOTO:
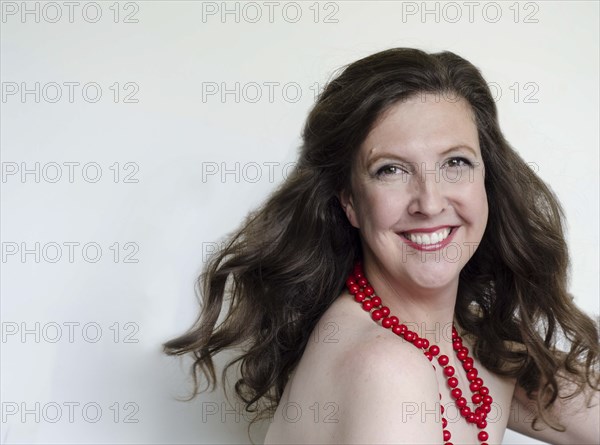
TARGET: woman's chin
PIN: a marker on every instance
(433, 278)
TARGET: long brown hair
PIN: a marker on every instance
(288, 261)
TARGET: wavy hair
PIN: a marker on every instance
(289, 260)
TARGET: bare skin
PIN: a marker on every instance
(315, 399)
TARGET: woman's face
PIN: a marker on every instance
(418, 195)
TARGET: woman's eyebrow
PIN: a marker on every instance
(457, 147)
(391, 155)
(378, 156)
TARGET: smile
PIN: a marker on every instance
(429, 239)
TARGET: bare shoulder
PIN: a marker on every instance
(357, 383)
(380, 378)
(363, 344)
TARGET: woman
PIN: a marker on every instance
(407, 283)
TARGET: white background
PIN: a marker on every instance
(542, 62)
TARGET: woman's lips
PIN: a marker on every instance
(429, 239)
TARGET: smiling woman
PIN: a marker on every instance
(419, 178)
(413, 228)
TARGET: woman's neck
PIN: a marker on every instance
(428, 312)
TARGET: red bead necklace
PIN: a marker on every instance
(363, 293)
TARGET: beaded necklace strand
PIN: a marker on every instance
(364, 293)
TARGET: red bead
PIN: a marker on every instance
(428, 355)
(472, 374)
(454, 333)
(456, 393)
(453, 382)
(395, 320)
(362, 282)
(487, 400)
(442, 409)
(425, 343)
(449, 371)
(461, 355)
(482, 435)
(385, 310)
(360, 296)
(444, 422)
(369, 291)
(456, 345)
(418, 343)
(476, 399)
(471, 418)
(443, 360)
(479, 381)
(484, 391)
(376, 300)
(474, 387)
(460, 402)
(465, 411)
(481, 424)
(350, 281)
(367, 305)
(463, 349)
(410, 336)
(486, 408)
(376, 315)
(434, 349)
(353, 288)
(386, 322)
(447, 435)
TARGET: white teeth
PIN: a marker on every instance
(432, 238)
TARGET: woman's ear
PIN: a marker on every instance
(347, 201)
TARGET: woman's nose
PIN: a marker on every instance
(428, 196)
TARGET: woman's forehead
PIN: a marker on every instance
(422, 125)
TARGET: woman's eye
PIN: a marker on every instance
(458, 162)
(387, 170)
